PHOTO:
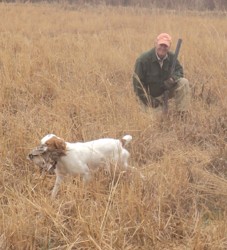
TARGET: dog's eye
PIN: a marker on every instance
(30, 156)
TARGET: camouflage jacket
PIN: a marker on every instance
(148, 76)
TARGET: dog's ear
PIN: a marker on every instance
(56, 144)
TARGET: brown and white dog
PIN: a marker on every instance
(79, 158)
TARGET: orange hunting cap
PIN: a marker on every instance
(164, 38)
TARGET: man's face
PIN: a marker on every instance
(161, 50)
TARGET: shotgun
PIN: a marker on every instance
(166, 92)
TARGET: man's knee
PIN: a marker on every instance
(183, 83)
(183, 94)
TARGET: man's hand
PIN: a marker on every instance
(169, 83)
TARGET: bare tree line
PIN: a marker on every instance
(171, 4)
(167, 4)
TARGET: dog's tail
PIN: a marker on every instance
(125, 140)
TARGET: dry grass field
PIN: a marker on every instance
(67, 70)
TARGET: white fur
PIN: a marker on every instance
(82, 157)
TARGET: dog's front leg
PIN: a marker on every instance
(58, 181)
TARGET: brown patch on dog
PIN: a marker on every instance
(57, 145)
(123, 142)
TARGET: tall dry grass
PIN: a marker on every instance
(67, 70)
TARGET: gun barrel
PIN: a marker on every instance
(166, 93)
(177, 50)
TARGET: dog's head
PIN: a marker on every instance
(56, 146)
(48, 153)
(41, 157)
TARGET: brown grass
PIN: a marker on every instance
(67, 70)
